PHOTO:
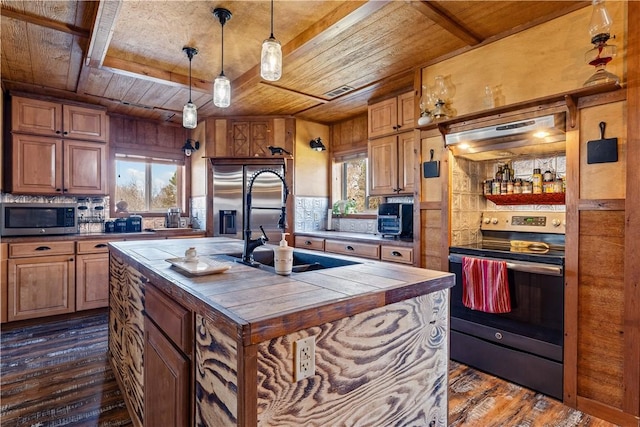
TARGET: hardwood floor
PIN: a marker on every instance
(57, 374)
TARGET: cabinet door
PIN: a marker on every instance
(406, 163)
(36, 117)
(36, 165)
(85, 123)
(383, 117)
(85, 168)
(166, 381)
(4, 253)
(406, 111)
(383, 164)
(249, 138)
(40, 286)
(92, 281)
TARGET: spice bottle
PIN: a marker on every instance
(536, 180)
(517, 187)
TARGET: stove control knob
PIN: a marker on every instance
(487, 220)
(494, 220)
(556, 222)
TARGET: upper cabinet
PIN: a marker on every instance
(391, 116)
(248, 136)
(40, 117)
(391, 165)
(56, 149)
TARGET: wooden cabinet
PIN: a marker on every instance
(306, 242)
(43, 165)
(396, 254)
(168, 343)
(364, 250)
(40, 117)
(92, 274)
(41, 279)
(391, 164)
(4, 261)
(391, 115)
(249, 138)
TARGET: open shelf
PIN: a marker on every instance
(527, 199)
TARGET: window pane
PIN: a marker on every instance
(131, 184)
(355, 182)
(164, 189)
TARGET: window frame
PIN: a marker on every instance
(183, 182)
(339, 186)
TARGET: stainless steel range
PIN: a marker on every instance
(525, 344)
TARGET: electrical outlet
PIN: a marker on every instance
(304, 359)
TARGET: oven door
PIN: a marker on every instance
(536, 321)
(525, 345)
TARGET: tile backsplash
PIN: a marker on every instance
(467, 201)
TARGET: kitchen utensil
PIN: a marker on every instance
(602, 150)
(431, 169)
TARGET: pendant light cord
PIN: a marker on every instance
(272, 19)
(222, 51)
(190, 57)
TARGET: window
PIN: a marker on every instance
(148, 185)
(352, 179)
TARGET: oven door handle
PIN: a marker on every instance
(527, 267)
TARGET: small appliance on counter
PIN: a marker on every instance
(395, 220)
(134, 224)
(38, 219)
(173, 218)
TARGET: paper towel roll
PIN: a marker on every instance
(329, 213)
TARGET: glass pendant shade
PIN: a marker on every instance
(271, 60)
(189, 115)
(222, 91)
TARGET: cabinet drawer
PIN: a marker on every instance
(21, 250)
(92, 246)
(306, 242)
(364, 250)
(397, 254)
(173, 319)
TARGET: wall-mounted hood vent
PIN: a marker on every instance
(532, 136)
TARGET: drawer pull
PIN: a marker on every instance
(350, 248)
(43, 248)
(396, 253)
(307, 242)
(100, 245)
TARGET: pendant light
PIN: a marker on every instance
(189, 112)
(222, 85)
(271, 58)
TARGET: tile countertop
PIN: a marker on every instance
(357, 237)
(265, 305)
(161, 233)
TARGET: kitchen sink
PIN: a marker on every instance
(302, 261)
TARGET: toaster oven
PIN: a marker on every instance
(395, 220)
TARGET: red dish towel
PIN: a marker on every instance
(485, 285)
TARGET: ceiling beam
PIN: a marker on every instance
(295, 92)
(337, 21)
(103, 26)
(156, 75)
(44, 22)
(432, 12)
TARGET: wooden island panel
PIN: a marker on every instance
(381, 338)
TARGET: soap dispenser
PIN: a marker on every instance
(283, 257)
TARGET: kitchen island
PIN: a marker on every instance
(218, 349)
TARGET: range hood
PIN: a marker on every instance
(531, 136)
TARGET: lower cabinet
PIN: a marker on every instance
(166, 380)
(92, 274)
(40, 284)
(400, 254)
(167, 349)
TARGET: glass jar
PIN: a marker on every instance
(517, 187)
(536, 181)
(527, 187)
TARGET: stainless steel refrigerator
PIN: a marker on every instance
(230, 183)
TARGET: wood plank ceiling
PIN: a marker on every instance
(127, 55)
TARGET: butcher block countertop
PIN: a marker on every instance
(262, 305)
(161, 233)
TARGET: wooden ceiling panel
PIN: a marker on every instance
(127, 54)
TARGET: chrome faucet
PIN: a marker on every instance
(251, 244)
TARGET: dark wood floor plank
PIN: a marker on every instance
(57, 373)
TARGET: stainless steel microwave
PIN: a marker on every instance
(38, 219)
